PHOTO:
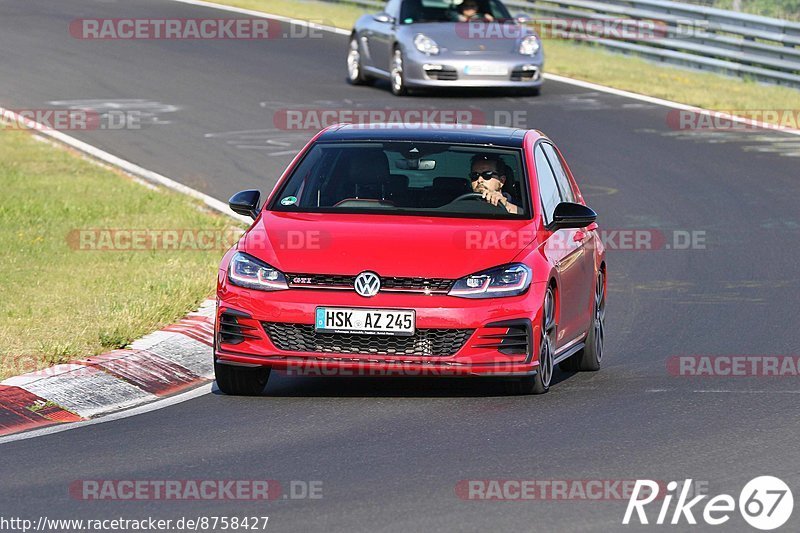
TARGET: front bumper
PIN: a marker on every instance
(451, 70)
(492, 347)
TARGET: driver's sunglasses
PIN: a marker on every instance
(486, 174)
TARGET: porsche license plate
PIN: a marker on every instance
(485, 70)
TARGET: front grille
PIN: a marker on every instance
(424, 342)
(324, 280)
(417, 284)
(434, 285)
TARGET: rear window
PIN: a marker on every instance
(404, 178)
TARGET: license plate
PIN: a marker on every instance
(368, 321)
(485, 70)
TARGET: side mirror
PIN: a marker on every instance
(570, 215)
(523, 18)
(245, 203)
(384, 18)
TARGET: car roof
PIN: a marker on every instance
(461, 134)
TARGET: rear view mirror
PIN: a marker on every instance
(245, 203)
(571, 215)
(416, 164)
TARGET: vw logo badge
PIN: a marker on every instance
(368, 284)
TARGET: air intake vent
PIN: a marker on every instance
(515, 340)
(230, 331)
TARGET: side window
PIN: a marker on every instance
(561, 176)
(548, 190)
(393, 8)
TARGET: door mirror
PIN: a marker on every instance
(523, 18)
(570, 215)
(384, 18)
(245, 203)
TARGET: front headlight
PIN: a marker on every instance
(247, 271)
(509, 280)
(529, 45)
(426, 45)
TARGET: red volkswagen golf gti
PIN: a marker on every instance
(389, 250)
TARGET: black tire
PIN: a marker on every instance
(590, 357)
(396, 76)
(355, 72)
(241, 380)
(540, 382)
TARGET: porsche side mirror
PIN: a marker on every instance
(384, 18)
(523, 18)
(245, 203)
(571, 215)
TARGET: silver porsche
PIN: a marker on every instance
(428, 44)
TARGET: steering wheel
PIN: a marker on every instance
(468, 196)
(478, 196)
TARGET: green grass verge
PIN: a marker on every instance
(590, 63)
(58, 302)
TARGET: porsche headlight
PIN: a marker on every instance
(426, 45)
(247, 271)
(529, 45)
(509, 280)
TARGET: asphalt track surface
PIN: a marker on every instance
(389, 452)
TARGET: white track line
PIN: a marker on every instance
(552, 77)
(160, 404)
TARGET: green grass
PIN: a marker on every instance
(591, 63)
(60, 303)
(782, 9)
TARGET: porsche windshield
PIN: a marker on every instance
(408, 178)
(416, 11)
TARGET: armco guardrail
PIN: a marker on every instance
(688, 35)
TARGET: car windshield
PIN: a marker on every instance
(411, 178)
(416, 11)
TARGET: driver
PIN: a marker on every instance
(469, 11)
(488, 175)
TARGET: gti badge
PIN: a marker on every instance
(367, 284)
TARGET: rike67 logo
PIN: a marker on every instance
(765, 503)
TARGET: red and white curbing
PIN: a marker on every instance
(160, 364)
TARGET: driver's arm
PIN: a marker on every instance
(511, 208)
(498, 198)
